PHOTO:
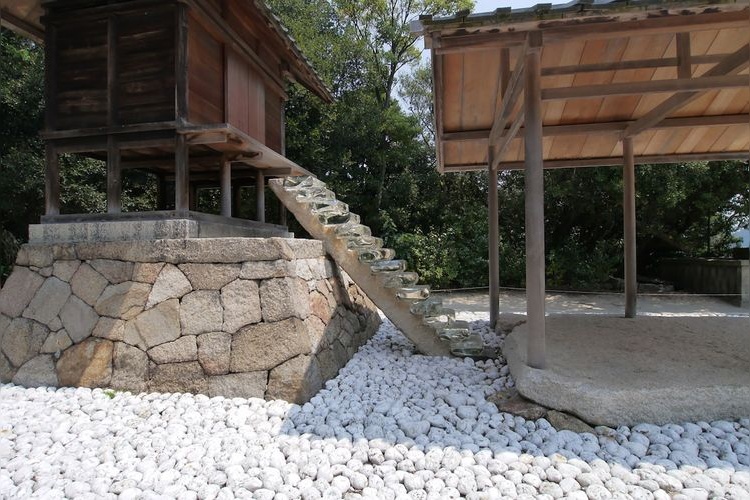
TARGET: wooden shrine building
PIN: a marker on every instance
(191, 90)
(586, 84)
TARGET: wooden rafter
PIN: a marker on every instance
(729, 66)
(498, 137)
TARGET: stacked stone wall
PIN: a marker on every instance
(245, 317)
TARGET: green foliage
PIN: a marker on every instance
(9, 246)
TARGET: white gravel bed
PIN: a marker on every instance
(393, 424)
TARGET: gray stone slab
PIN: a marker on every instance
(616, 371)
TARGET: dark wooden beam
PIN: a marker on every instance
(225, 175)
(182, 174)
(628, 211)
(51, 181)
(114, 178)
(729, 66)
(260, 196)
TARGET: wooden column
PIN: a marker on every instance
(494, 241)
(534, 200)
(492, 206)
(260, 196)
(225, 175)
(283, 216)
(628, 209)
(114, 177)
(51, 182)
(181, 174)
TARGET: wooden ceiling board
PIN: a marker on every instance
(479, 89)
(474, 111)
(452, 84)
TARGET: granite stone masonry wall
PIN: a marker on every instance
(247, 317)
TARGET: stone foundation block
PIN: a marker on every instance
(234, 317)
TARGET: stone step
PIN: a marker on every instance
(396, 291)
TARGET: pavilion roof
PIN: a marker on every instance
(672, 75)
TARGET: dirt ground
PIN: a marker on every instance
(476, 305)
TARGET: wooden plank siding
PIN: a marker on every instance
(205, 74)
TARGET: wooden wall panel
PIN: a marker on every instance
(274, 123)
(146, 66)
(81, 98)
(205, 75)
(246, 97)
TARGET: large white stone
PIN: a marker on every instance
(22, 340)
(78, 318)
(114, 270)
(266, 345)
(170, 284)
(213, 352)
(241, 302)
(283, 298)
(48, 301)
(258, 270)
(125, 300)
(180, 350)
(88, 284)
(18, 290)
(65, 269)
(154, 326)
(201, 312)
(210, 276)
(37, 372)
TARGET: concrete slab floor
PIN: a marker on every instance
(685, 358)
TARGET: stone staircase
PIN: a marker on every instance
(431, 327)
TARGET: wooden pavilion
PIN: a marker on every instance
(586, 84)
(191, 90)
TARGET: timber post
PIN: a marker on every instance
(628, 209)
(534, 199)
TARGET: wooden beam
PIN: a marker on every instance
(608, 161)
(493, 242)
(730, 65)
(225, 174)
(51, 181)
(23, 28)
(114, 178)
(534, 201)
(260, 196)
(628, 210)
(684, 64)
(506, 139)
(663, 62)
(609, 127)
(645, 87)
(510, 98)
(599, 27)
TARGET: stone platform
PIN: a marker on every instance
(156, 225)
(615, 371)
(248, 317)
